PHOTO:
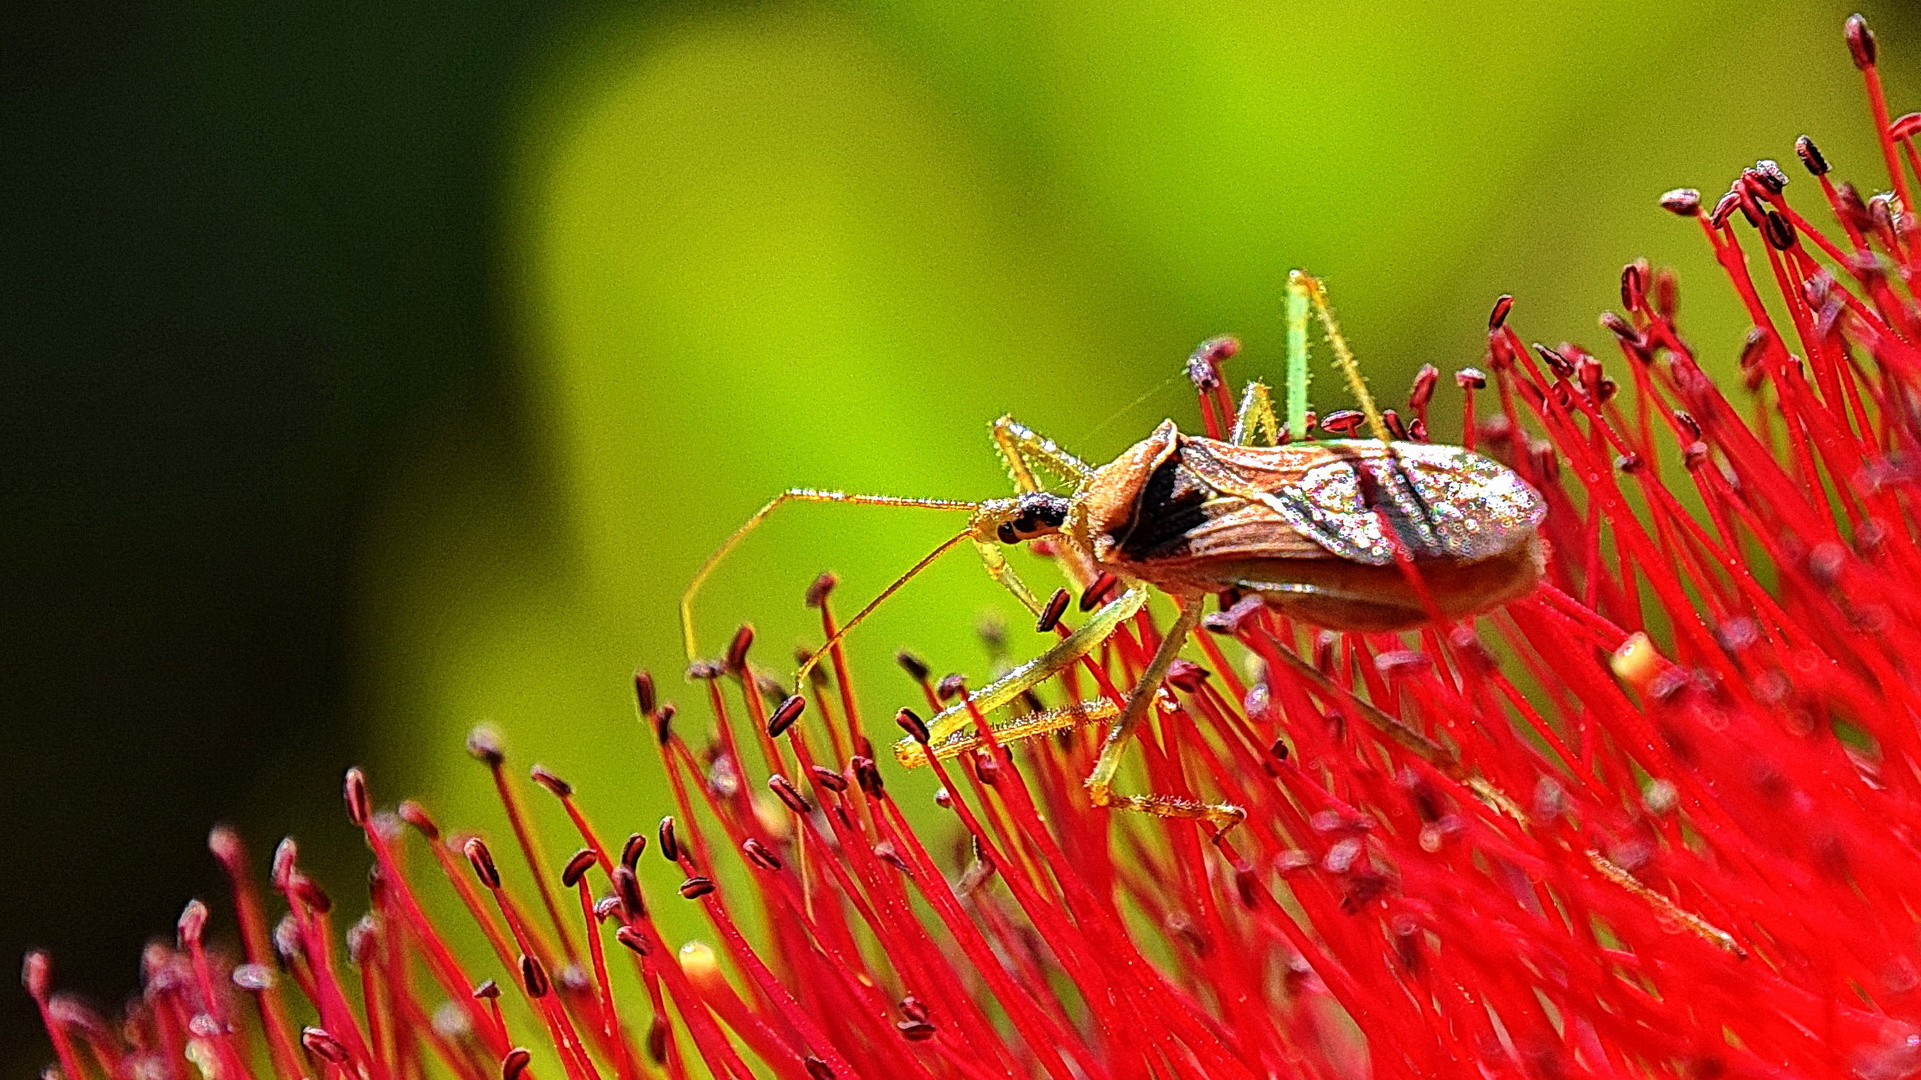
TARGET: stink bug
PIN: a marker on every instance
(1349, 534)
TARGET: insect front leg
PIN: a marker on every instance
(952, 731)
(1002, 571)
(1023, 449)
(1100, 783)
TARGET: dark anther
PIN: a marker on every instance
(986, 768)
(867, 775)
(1851, 206)
(1619, 327)
(916, 1030)
(1471, 379)
(1768, 172)
(1203, 367)
(884, 851)
(664, 723)
(1279, 750)
(785, 790)
(1544, 460)
(1497, 318)
(486, 991)
(828, 779)
(483, 862)
(1554, 360)
(785, 714)
(1860, 42)
(1417, 430)
(736, 657)
(631, 851)
(914, 1008)
(657, 1033)
(1051, 614)
(1682, 202)
(1392, 421)
(1342, 423)
(1235, 619)
(1634, 284)
(1097, 591)
(635, 939)
(1628, 463)
(644, 691)
(950, 686)
(321, 1044)
(1719, 215)
(416, 815)
(760, 854)
(669, 844)
(1695, 456)
(484, 744)
(545, 777)
(627, 890)
(695, 887)
(1425, 380)
(533, 975)
(577, 867)
(1811, 156)
(705, 670)
(817, 592)
(1779, 231)
(1688, 422)
(359, 803)
(514, 1063)
(913, 725)
(915, 667)
(1186, 675)
(192, 924)
(818, 1069)
(1667, 292)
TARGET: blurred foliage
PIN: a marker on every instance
(824, 245)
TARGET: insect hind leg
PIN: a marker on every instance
(1305, 286)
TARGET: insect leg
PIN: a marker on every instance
(1255, 416)
(952, 730)
(1002, 571)
(1297, 370)
(1305, 285)
(1023, 449)
(794, 495)
(1100, 783)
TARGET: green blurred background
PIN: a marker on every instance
(373, 370)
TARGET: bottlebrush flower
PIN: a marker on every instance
(1660, 818)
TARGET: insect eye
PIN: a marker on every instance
(1006, 534)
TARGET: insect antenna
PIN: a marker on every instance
(1304, 288)
(796, 495)
(947, 545)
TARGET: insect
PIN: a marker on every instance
(1351, 534)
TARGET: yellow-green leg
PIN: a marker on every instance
(1100, 782)
(1255, 417)
(1022, 449)
(952, 730)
